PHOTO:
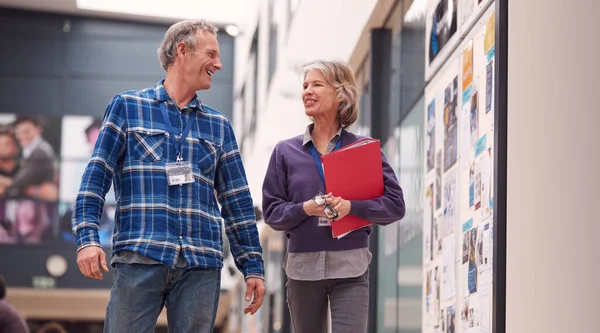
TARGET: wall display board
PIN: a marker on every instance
(458, 218)
(42, 161)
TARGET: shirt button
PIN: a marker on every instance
(180, 237)
(180, 210)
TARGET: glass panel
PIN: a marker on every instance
(412, 62)
(410, 241)
(387, 286)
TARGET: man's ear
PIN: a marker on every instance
(181, 49)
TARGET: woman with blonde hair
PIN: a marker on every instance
(325, 273)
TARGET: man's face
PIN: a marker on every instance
(8, 147)
(26, 132)
(202, 62)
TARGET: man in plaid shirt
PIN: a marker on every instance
(172, 159)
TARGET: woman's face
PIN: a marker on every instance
(318, 95)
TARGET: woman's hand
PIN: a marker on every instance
(341, 206)
(312, 209)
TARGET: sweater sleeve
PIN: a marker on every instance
(389, 207)
(279, 212)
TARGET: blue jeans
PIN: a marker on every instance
(140, 291)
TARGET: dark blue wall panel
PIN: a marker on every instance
(56, 65)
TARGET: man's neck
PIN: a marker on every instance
(179, 92)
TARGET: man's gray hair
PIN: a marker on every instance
(184, 31)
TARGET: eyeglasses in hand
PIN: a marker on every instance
(329, 211)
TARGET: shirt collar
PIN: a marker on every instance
(161, 95)
(308, 135)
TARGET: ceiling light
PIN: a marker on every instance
(232, 30)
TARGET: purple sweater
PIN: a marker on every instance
(292, 178)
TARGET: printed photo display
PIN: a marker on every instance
(42, 160)
(458, 198)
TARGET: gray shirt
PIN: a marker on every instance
(323, 265)
(129, 257)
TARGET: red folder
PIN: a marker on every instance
(354, 173)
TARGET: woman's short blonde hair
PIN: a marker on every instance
(341, 76)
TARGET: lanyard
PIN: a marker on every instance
(317, 158)
(184, 134)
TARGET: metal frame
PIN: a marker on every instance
(500, 161)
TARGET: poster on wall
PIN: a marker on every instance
(459, 238)
(29, 150)
(450, 125)
(442, 33)
(443, 27)
(430, 135)
(42, 161)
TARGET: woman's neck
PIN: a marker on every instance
(323, 132)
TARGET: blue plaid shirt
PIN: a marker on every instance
(154, 219)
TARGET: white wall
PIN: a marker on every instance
(553, 259)
(319, 30)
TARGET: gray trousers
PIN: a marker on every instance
(349, 299)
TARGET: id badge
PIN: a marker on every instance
(323, 222)
(179, 173)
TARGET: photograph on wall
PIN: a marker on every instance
(464, 313)
(443, 26)
(79, 137)
(489, 40)
(430, 135)
(428, 223)
(474, 118)
(29, 150)
(473, 311)
(489, 86)
(466, 230)
(65, 234)
(451, 320)
(450, 125)
(438, 180)
(432, 297)
(472, 273)
(466, 246)
(450, 203)
(437, 235)
(467, 66)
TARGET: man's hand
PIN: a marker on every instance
(90, 259)
(254, 286)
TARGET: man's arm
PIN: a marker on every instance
(98, 175)
(237, 209)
